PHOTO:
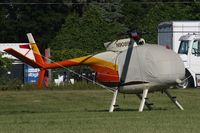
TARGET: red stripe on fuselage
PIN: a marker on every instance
(105, 74)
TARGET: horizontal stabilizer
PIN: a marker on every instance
(23, 58)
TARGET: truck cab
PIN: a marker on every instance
(189, 51)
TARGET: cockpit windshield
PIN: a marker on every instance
(183, 48)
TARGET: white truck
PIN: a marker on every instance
(183, 37)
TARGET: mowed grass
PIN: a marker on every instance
(86, 111)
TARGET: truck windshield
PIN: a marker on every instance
(183, 49)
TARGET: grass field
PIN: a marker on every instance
(86, 111)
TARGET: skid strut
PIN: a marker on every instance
(174, 100)
(112, 106)
(147, 103)
(144, 96)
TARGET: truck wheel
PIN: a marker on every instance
(184, 84)
(188, 82)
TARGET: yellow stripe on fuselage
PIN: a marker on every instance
(89, 60)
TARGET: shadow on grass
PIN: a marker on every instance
(127, 110)
(73, 111)
(37, 112)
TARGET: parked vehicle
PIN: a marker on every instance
(183, 37)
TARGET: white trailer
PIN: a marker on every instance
(183, 37)
(170, 32)
(19, 70)
(20, 47)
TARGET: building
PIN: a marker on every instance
(19, 70)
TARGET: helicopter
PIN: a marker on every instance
(129, 66)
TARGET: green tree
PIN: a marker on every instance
(144, 16)
(161, 13)
(43, 20)
(134, 13)
(5, 63)
(87, 33)
(64, 54)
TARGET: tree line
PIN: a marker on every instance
(74, 28)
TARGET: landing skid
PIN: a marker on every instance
(144, 100)
(174, 100)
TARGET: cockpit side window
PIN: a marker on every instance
(196, 48)
(183, 48)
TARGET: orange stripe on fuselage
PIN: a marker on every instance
(86, 60)
(107, 72)
(61, 64)
(67, 63)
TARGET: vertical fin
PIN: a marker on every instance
(36, 52)
(38, 59)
